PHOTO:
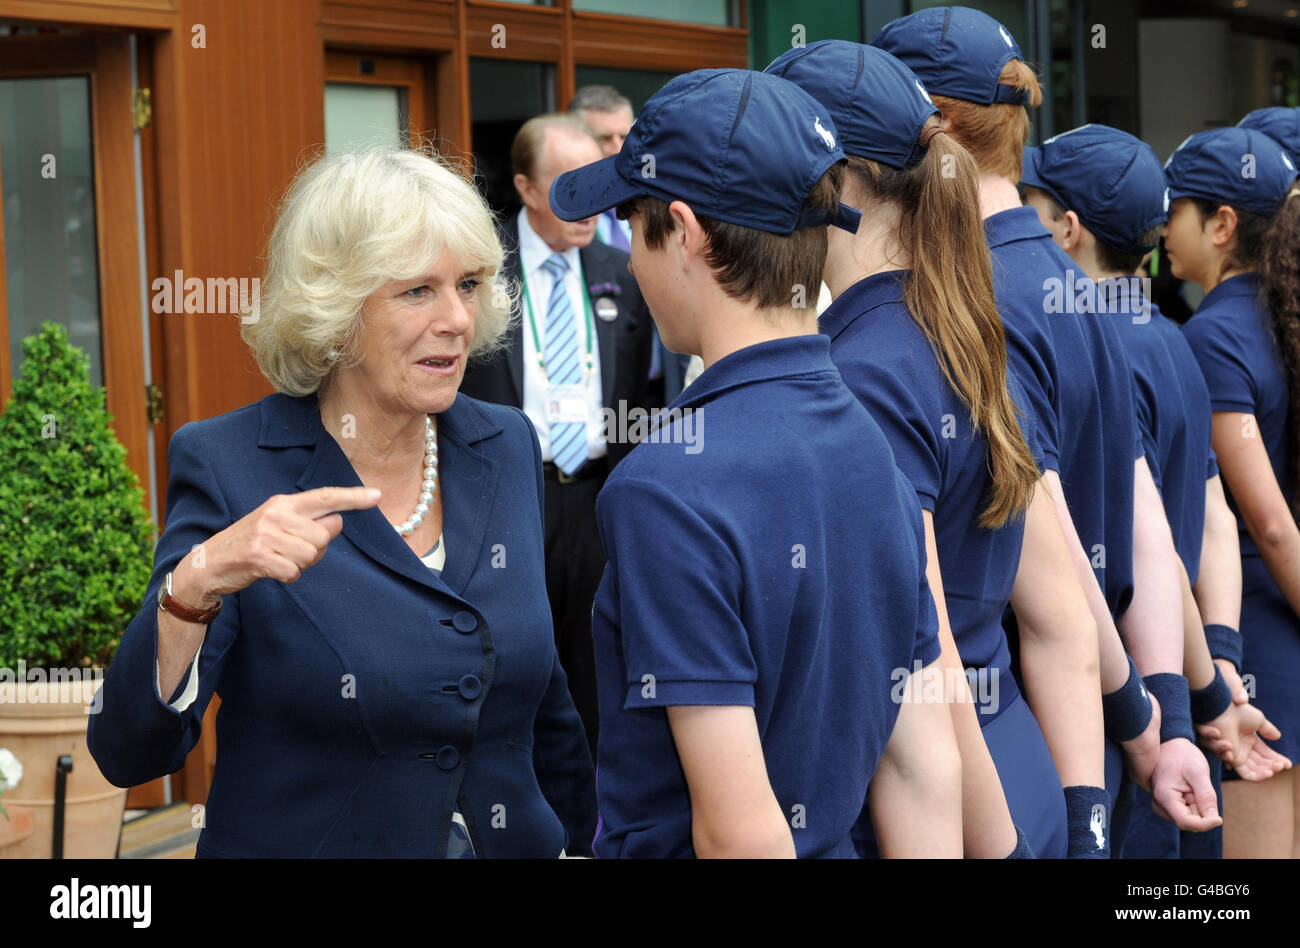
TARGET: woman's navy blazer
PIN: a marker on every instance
(365, 702)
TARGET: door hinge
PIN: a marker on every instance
(141, 108)
(153, 395)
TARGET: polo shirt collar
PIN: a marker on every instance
(868, 293)
(1243, 284)
(762, 362)
(1017, 223)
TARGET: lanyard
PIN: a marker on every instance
(532, 322)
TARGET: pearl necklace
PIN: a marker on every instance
(429, 482)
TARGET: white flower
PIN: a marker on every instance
(11, 770)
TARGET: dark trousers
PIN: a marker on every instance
(575, 561)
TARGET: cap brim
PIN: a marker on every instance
(589, 190)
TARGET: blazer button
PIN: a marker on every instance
(470, 687)
(464, 622)
(448, 757)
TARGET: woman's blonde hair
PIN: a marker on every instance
(350, 223)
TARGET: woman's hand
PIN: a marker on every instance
(278, 540)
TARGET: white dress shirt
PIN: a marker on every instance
(533, 254)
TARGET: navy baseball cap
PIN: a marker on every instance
(1240, 167)
(1113, 181)
(955, 51)
(736, 145)
(1278, 123)
(878, 104)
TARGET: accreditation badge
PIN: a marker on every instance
(566, 403)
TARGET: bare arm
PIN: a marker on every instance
(1218, 581)
(915, 796)
(1114, 662)
(986, 820)
(1152, 625)
(734, 813)
(1243, 459)
(1058, 648)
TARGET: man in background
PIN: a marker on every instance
(581, 345)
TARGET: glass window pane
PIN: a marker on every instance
(710, 12)
(51, 257)
(637, 84)
(360, 115)
(503, 94)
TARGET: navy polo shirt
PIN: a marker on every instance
(888, 363)
(1080, 391)
(1173, 411)
(780, 565)
(1232, 339)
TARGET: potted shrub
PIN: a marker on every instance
(75, 559)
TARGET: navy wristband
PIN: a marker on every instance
(1212, 700)
(1087, 815)
(1022, 850)
(1224, 642)
(1175, 706)
(1127, 712)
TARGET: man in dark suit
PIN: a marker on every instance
(577, 362)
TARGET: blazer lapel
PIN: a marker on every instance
(367, 530)
(467, 476)
(594, 271)
(469, 486)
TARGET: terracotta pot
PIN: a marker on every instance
(20, 825)
(40, 721)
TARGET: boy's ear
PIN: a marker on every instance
(686, 231)
(1073, 235)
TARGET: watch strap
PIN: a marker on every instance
(173, 606)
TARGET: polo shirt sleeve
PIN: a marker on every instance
(1036, 374)
(1212, 466)
(1025, 419)
(911, 415)
(679, 591)
(1227, 374)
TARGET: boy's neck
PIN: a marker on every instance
(734, 325)
(998, 193)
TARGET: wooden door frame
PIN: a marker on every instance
(105, 58)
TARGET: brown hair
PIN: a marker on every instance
(995, 135)
(751, 265)
(527, 145)
(950, 295)
(1271, 245)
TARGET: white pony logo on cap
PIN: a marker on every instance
(1166, 200)
(827, 137)
(1006, 37)
(1286, 160)
(921, 89)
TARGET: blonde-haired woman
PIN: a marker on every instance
(355, 563)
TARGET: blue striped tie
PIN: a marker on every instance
(568, 438)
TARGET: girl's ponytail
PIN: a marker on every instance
(950, 295)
